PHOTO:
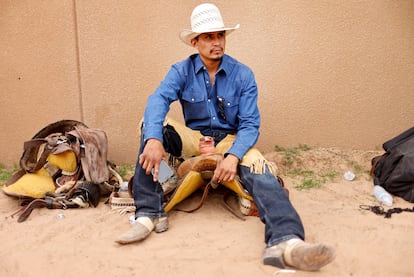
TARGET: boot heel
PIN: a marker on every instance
(274, 256)
(161, 225)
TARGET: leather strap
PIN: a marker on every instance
(29, 160)
(48, 202)
(25, 213)
(202, 200)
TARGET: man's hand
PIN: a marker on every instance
(151, 157)
(226, 169)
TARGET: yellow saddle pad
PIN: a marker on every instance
(189, 184)
(33, 185)
(36, 184)
(190, 172)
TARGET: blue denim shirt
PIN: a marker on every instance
(188, 81)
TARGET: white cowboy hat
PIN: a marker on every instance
(205, 18)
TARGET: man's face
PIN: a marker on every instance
(210, 45)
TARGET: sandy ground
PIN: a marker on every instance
(212, 241)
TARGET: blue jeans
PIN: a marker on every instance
(281, 220)
(148, 195)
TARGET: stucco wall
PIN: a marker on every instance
(330, 73)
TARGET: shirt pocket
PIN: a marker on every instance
(231, 108)
(194, 106)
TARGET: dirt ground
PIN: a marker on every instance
(212, 241)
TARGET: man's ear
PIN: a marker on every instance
(194, 42)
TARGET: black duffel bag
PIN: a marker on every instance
(394, 170)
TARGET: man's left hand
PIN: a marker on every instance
(226, 169)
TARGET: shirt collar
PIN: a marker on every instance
(224, 66)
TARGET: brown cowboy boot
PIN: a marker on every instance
(299, 254)
(142, 228)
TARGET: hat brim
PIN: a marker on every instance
(187, 35)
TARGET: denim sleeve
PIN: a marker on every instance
(249, 119)
(158, 104)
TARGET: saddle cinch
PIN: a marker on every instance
(63, 166)
(196, 174)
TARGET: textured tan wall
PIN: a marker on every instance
(330, 73)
